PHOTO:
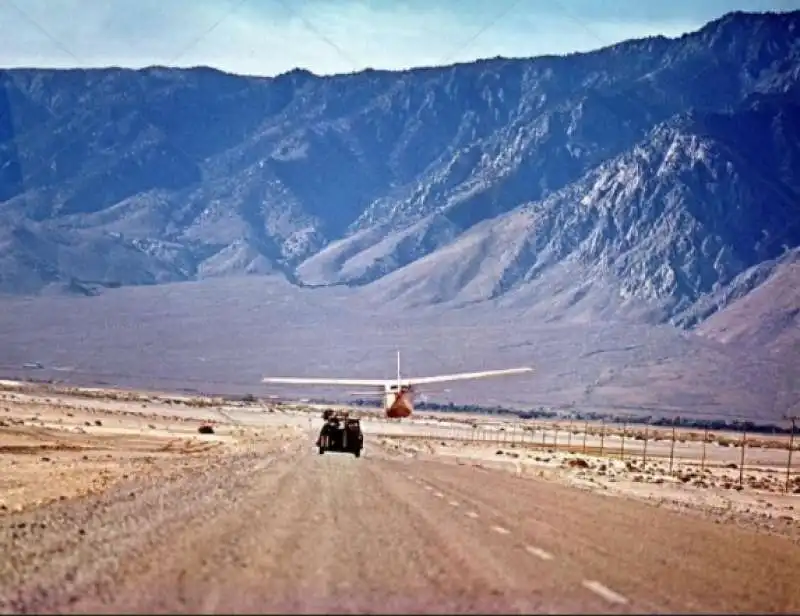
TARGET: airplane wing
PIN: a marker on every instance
(462, 376)
(380, 383)
(313, 381)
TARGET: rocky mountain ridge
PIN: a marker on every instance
(643, 178)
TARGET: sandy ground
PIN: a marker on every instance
(61, 446)
(104, 495)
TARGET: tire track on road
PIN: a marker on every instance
(80, 547)
(310, 533)
(496, 541)
(655, 557)
(499, 522)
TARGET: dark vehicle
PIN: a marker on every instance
(340, 433)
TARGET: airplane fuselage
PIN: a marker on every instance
(398, 404)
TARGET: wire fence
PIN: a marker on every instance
(733, 459)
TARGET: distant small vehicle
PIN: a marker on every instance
(33, 365)
(340, 433)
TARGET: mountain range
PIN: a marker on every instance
(652, 181)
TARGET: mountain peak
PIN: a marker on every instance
(653, 171)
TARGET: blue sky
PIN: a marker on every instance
(267, 37)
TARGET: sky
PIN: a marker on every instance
(269, 37)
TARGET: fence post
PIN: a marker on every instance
(789, 460)
(705, 441)
(602, 434)
(672, 447)
(544, 435)
(569, 436)
(555, 438)
(585, 432)
(622, 444)
(741, 460)
(644, 450)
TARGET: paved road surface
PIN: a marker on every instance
(299, 532)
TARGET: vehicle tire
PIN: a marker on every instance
(321, 450)
(357, 453)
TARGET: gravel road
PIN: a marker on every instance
(292, 531)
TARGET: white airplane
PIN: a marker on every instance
(397, 394)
